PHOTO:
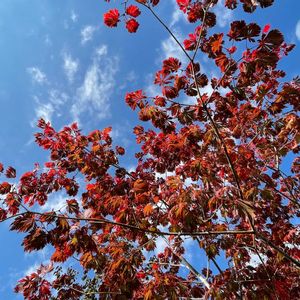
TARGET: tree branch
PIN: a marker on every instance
(189, 266)
(272, 245)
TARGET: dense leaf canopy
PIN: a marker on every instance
(209, 171)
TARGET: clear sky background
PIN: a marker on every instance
(58, 61)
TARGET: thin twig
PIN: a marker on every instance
(189, 266)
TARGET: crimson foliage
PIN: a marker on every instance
(224, 188)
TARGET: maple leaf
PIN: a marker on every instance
(272, 40)
(24, 223)
(239, 31)
(191, 43)
(148, 209)
(5, 188)
(10, 172)
(132, 25)
(140, 186)
(231, 4)
(135, 99)
(111, 18)
(133, 11)
(35, 240)
(171, 64)
(232, 49)
(183, 4)
(170, 92)
(61, 254)
(216, 43)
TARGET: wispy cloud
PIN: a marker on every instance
(224, 14)
(74, 16)
(87, 33)
(171, 49)
(56, 202)
(93, 96)
(297, 31)
(120, 133)
(256, 260)
(129, 78)
(46, 110)
(57, 98)
(177, 14)
(32, 269)
(70, 66)
(47, 41)
(37, 75)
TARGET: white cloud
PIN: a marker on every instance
(171, 49)
(44, 268)
(119, 134)
(32, 269)
(55, 202)
(177, 15)
(160, 245)
(131, 76)
(190, 248)
(255, 259)
(151, 89)
(74, 16)
(44, 111)
(298, 30)
(87, 33)
(37, 75)
(48, 41)
(93, 95)
(70, 66)
(224, 14)
(57, 98)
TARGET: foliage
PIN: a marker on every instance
(224, 189)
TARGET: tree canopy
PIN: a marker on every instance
(209, 171)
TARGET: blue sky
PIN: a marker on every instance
(59, 61)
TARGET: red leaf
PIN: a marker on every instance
(111, 18)
(132, 25)
(266, 28)
(171, 64)
(140, 275)
(140, 186)
(232, 49)
(23, 223)
(10, 172)
(135, 99)
(183, 4)
(4, 188)
(191, 43)
(170, 92)
(120, 150)
(216, 44)
(133, 11)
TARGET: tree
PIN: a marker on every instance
(224, 188)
